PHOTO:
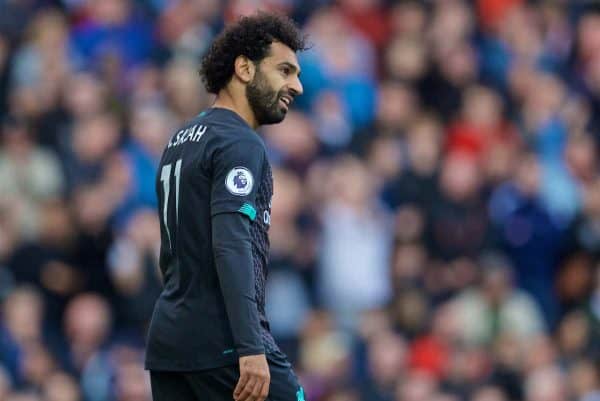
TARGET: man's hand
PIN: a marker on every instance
(254, 379)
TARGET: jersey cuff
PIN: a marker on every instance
(250, 351)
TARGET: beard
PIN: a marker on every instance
(264, 100)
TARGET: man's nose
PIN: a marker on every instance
(296, 86)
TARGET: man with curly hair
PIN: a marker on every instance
(209, 338)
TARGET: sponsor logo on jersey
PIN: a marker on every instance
(239, 181)
(267, 215)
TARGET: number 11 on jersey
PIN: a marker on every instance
(165, 177)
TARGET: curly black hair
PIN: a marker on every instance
(250, 36)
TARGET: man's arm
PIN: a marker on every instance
(233, 258)
(236, 166)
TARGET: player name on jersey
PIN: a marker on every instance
(193, 133)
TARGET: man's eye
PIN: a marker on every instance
(286, 71)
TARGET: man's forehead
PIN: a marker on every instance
(280, 53)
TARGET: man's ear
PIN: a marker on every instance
(244, 69)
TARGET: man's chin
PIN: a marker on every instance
(275, 118)
(280, 117)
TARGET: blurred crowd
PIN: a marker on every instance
(436, 219)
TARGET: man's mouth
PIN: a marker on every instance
(286, 100)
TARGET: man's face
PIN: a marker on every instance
(275, 84)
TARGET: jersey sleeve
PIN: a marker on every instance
(232, 249)
(237, 170)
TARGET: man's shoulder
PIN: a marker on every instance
(227, 128)
(218, 131)
(240, 140)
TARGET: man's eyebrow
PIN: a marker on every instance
(293, 67)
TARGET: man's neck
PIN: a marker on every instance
(241, 107)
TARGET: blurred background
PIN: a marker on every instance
(436, 219)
